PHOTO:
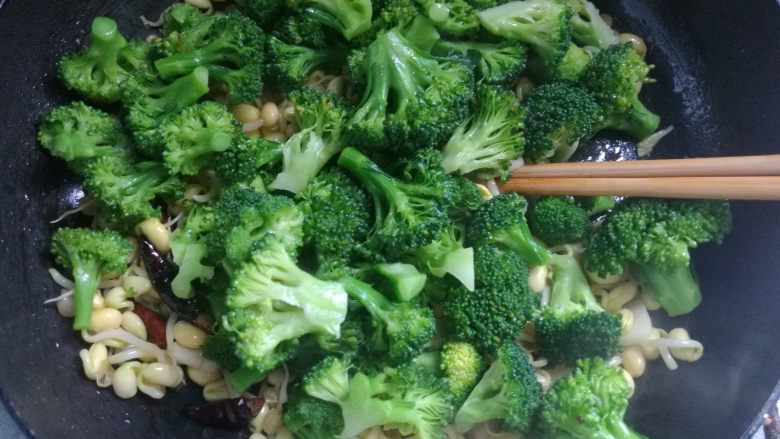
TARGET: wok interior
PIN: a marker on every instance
(716, 66)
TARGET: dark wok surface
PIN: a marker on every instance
(718, 83)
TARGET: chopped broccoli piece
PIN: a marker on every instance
(403, 280)
(350, 17)
(463, 366)
(89, 254)
(454, 17)
(180, 17)
(588, 28)
(447, 255)
(496, 63)
(312, 418)
(264, 12)
(189, 247)
(558, 220)
(291, 64)
(245, 158)
(219, 348)
(569, 69)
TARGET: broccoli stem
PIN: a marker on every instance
(519, 239)
(676, 290)
(184, 90)
(638, 121)
(570, 284)
(183, 63)
(245, 377)
(619, 430)
(375, 303)
(106, 41)
(86, 276)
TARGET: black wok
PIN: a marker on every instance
(718, 71)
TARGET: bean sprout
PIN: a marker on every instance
(492, 186)
(60, 280)
(86, 205)
(65, 294)
(132, 340)
(646, 146)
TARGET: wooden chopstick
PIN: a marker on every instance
(734, 188)
(696, 167)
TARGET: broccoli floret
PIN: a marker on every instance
(350, 17)
(243, 160)
(560, 117)
(595, 205)
(499, 306)
(569, 69)
(573, 326)
(244, 216)
(399, 331)
(149, 105)
(404, 281)
(189, 247)
(195, 136)
(100, 70)
(653, 238)
(89, 254)
(590, 403)
(613, 76)
(128, 189)
(291, 64)
(496, 63)
(180, 17)
(462, 198)
(219, 348)
(420, 408)
(304, 30)
(272, 303)
(447, 255)
(507, 392)
(78, 134)
(558, 220)
(264, 12)
(408, 215)
(337, 215)
(312, 418)
(462, 365)
(500, 222)
(411, 99)
(454, 17)
(320, 118)
(488, 140)
(542, 24)
(587, 26)
(229, 46)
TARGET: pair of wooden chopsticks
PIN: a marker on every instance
(736, 178)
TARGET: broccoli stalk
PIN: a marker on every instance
(507, 392)
(350, 17)
(488, 140)
(189, 247)
(89, 254)
(404, 281)
(591, 403)
(99, 71)
(573, 326)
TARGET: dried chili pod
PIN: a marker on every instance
(233, 414)
(161, 272)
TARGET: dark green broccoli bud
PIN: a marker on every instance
(337, 215)
(500, 222)
(193, 137)
(614, 77)
(399, 331)
(291, 65)
(462, 365)
(573, 326)
(588, 28)
(507, 392)
(462, 198)
(542, 24)
(89, 254)
(189, 247)
(128, 189)
(151, 104)
(558, 220)
(229, 46)
(392, 398)
(264, 12)
(320, 118)
(408, 216)
(272, 303)
(350, 17)
(653, 238)
(488, 140)
(499, 306)
(78, 133)
(180, 17)
(99, 71)
(243, 160)
(590, 403)
(454, 17)
(496, 63)
(219, 348)
(243, 217)
(304, 30)
(569, 69)
(312, 418)
(560, 117)
(411, 99)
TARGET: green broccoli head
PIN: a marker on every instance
(304, 30)
(290, 65)
(189, 248)
(245, 158)
(462, 365)
(351, 17)
(312, 418)
(590, 403)
(264, 12)
(500, 221)
(568, 70)
(558, 220)
(499, 306)
(229, 46)
(78, 134)
(447, 255)
(394, 398)
(454, 17)
(411, 99)
(507, 392)
(488, 140)
(89, 254)
(542, 24)
(559, 118)
(99, 71)
(496, 63)
(653, 237)
(194, 137)
(613, 76)
(219, 348)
